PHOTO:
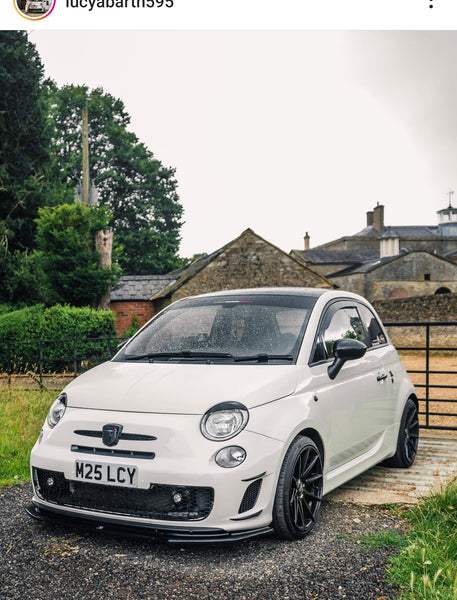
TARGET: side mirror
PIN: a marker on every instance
(343, 350)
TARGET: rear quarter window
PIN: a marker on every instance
(376, 336)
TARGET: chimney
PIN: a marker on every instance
(306, 241)
(369, 218)
(378, 217)
(389, 244)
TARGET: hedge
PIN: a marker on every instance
(57, 333)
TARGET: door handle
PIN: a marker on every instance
(381, 376)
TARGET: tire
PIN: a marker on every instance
(408, 438)
(299, 491)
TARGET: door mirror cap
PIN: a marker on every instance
(343, 350)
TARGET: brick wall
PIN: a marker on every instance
(124, 311)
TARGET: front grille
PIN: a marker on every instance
(112, 452)
(250, 496)
(159, 502)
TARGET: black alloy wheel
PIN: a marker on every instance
(408, 438)
(299, 491)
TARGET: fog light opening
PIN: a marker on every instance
(177, 497)
(230, 457)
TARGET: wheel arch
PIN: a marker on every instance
(412, 396)
(415, 399)
(316, 438)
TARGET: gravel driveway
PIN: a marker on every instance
(44, 562)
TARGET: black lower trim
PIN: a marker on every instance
(156, 503)
(256, 514)
(179, 535)
(112, 452)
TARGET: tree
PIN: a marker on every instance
(24, 146)
(138, 190)
(24, 139)
(68, 256)
(23, 280)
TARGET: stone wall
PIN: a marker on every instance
(442, 307)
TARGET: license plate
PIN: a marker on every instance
(109, 474)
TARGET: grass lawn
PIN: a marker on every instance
(424, 563)
(426, 567)
(22, 413)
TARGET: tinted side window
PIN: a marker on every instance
(376, 335)
(345, 323)
(341, 323)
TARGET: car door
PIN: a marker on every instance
(354, 401)
(385, 354)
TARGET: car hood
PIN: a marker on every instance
(179, 388)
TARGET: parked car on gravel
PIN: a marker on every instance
(39, 6)
(228, 415)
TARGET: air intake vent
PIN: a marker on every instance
(250, 496)
(165, 502)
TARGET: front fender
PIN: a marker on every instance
(292, 415)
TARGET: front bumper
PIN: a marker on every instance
(178, 462)
(171, 534)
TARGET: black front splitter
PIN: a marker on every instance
(112, 526)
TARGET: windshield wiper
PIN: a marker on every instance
(182, 354)
(195, 354)
(263, 358)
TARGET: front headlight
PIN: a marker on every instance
(57, 410)
(224, 421)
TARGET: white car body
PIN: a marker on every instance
(353, 420)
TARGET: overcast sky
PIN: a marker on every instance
(285, 132)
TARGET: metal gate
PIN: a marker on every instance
(429, 352)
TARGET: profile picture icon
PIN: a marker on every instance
(34, 10)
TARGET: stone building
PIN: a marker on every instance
(416, 273)
(247, 261)
(382, 262)
(326, 262)
(390, 240)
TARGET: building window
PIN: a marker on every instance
(426, 276)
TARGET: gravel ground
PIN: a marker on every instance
(45, 562)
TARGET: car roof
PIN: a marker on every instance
(320, 294)
(270, 291)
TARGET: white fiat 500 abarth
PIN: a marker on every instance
(227, 415)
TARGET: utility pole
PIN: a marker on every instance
(104, 245)
(103, 239)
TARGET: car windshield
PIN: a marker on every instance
(234, 329)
